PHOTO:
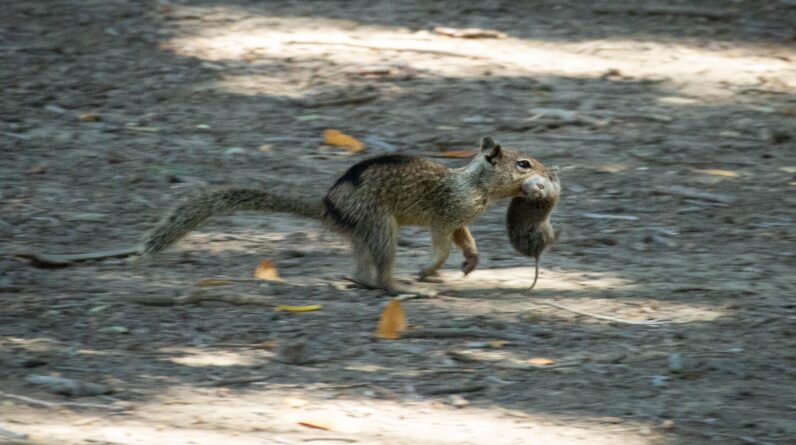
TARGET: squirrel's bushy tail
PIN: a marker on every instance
(190, 214)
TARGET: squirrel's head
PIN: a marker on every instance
(504, 171)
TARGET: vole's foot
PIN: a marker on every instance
(470, 263)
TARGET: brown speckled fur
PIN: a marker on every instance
(375, 197)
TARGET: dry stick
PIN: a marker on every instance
(462, 333)
(664, 10)
(47, 260)
(237, 380)
(600, 317)
(669, 161)
(198, 297)
(688, 192)
(385, 48)
(364, 98)
(61, 404)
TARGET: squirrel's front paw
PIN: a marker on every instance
(470, 263)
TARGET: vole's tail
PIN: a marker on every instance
(191, 213)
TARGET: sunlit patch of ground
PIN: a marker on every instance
(210, 357)
(288, 416)
(592, 292)
(708, 73)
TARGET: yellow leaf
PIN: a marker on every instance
(392, 321)
(613, 168)
(206, 282)
(540, 361)
(266, 270)
(89, 117)
(307, 308)
(497, 343)
(718, 172)
(296, 403)
(455, 154)
(339, 139)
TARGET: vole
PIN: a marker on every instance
(528, 216)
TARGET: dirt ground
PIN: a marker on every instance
(673, 125)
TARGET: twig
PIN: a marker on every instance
(609, 216)
(453, 389)
(692, 193)
(696, 163)
(469, 33)
(462, 333)
(385, 48)
(198, 297)
(361, 99)
(601, 317)
(237, 380)
(48, 260)
(61, 404)
(584, 138)
(329, 439)
(664, 10)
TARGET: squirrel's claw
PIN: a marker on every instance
(470, 263)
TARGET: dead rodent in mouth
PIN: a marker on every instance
(528, 217)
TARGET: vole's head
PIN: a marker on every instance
(504, 171)
(543, 186)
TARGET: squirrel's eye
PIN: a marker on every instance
(523, 164)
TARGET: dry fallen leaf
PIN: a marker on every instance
(295, 402)
(316, 424)
(339, 139)
(37, 169)
(392, 321)
(89, 117)
(306, 308)
(717, 172)
(540, 361)
(207, 282)
(266, 270)
(455, 154)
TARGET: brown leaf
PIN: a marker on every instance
(294, 402)
(340, 139)
(305, 308)
(89, 117)
(392, 321)
(316, 424)
(717, 172)
(207, 282)
(540, 361)
(266, 270)
(37, 169)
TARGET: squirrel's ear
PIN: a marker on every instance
(487, 143)
(494, 154)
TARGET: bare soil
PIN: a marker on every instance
(677, 149)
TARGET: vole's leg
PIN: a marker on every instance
(464, 239)
(441, 239)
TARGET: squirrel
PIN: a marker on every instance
(528, 217)
(372, 199)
